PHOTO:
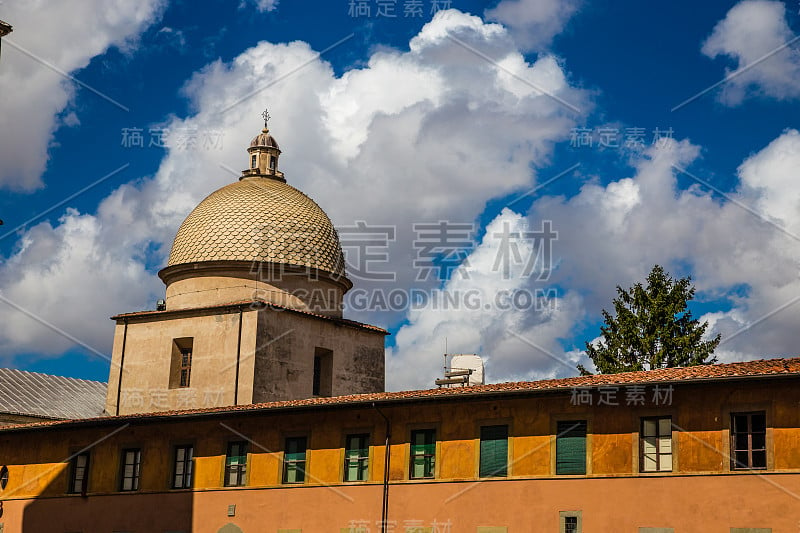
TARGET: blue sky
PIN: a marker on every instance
(397, 124)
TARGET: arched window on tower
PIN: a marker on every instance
(253, 161)
(272, 162)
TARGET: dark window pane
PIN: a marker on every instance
(740, 441)
(570, 524)
(759, 459)
(759, 441)
(759, 422)
(741, 459)
(316, 386)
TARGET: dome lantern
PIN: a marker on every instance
(263, 155)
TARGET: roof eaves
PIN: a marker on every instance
(256, 303)
(365, 400)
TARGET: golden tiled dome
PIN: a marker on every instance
(259, 219)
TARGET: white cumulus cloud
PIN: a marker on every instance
(534, 23)
(754, 33)
(33, 92)
(403, 154)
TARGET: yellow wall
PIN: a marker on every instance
(37, 458)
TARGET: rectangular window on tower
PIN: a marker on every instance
(322, 379)
(180, 371)
(253, 161)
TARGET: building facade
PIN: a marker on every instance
(253, 307)
(711, 448)
(246, 402)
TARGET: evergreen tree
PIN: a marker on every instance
(653, 328)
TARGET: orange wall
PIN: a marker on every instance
(702, 412)
(688, 504)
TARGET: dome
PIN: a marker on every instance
(258, 219)
(264, 140)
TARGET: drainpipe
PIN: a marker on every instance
(121, 362)
(386, 461)
(238, 356)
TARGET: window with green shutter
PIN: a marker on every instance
(571, 447)
(356, 457)
(236, 464)
(423, 454)
(294, 460)
(494, 451)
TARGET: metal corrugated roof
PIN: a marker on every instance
(44, 395)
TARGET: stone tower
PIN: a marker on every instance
(254, 287)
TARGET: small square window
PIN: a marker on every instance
(570, 521)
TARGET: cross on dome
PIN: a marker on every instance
(266, 117)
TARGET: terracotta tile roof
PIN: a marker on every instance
(46, 396)
(721, 372)
(255, 303)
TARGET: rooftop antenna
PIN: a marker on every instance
(445, 356)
